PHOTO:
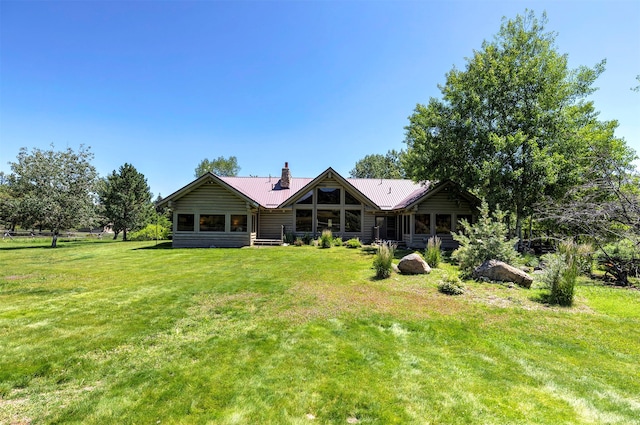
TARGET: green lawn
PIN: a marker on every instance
(103, 332)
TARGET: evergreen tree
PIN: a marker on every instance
(126, 199)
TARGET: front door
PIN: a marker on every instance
(387, 226)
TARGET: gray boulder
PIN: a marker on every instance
(413, 264)
(498, 271)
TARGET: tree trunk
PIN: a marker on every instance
(54, 240)
(124, 234)
(115, 235)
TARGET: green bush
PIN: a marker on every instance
(484, 240)
(307, 239)
(150, 232)
(326, 239)
(433, 253)
(561, 272)
(353, 243)
(337, 242)
(298, 242)
(383, 259)
(452, 285)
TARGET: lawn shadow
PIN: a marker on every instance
(161, 245)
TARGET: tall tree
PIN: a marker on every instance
(53, 190)
(511, 125)
(378, 166)
(126, 199)
(220, 166)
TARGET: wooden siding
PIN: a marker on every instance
(211, 198)
(211, 240)
(271, 221)
(442, 203)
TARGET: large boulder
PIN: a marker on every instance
(413, 264)
(502, 272)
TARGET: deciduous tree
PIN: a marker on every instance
(53, 189)
(220, 166)
(378, 166)
(511, 126)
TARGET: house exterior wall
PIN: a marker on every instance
(440, 204)
(208, 199)
(271, 222)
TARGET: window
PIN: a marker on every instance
(239, 223)
(406, 224)
(185, 222)
(304, 220)
(328, 196)
(254, 223)
(212, 223)
(307, 198)
(352, 221)
(329, 219)
(443, 223)
(423, 224)
(349, 199)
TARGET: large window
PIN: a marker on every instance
(329, 196)
(239, 223)
(212, 223)
(307, 199)
(328, 219)
(304, 220)
(443, 223)
(352, 221)
(423, 224)
(349, 199)
(185, 222)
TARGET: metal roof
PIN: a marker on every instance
(387, 194)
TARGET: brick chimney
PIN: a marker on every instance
(285, 180)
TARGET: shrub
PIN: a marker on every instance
(353, 243)
(452, 285)
(307, 239)
(621, 259)
(484, 240)
(383, 259)
(289, 238)
(150, 232)
(561, 272)
(326, 239)
(433, 254)
(298, 242)
(337, 242)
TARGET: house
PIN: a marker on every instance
(244, 211)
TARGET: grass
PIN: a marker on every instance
(103, 332)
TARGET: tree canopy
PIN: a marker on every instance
(126, 199)
(53, 190)
(220, 166)
(514, 125)
(377, 166)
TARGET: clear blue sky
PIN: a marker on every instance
(164, 84)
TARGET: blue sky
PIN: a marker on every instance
(164, 84)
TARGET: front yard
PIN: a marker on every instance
(104, 332)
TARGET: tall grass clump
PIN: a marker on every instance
(484, 240)
(326, 239)
(433, 253)
(562, 270)
(383, 259)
